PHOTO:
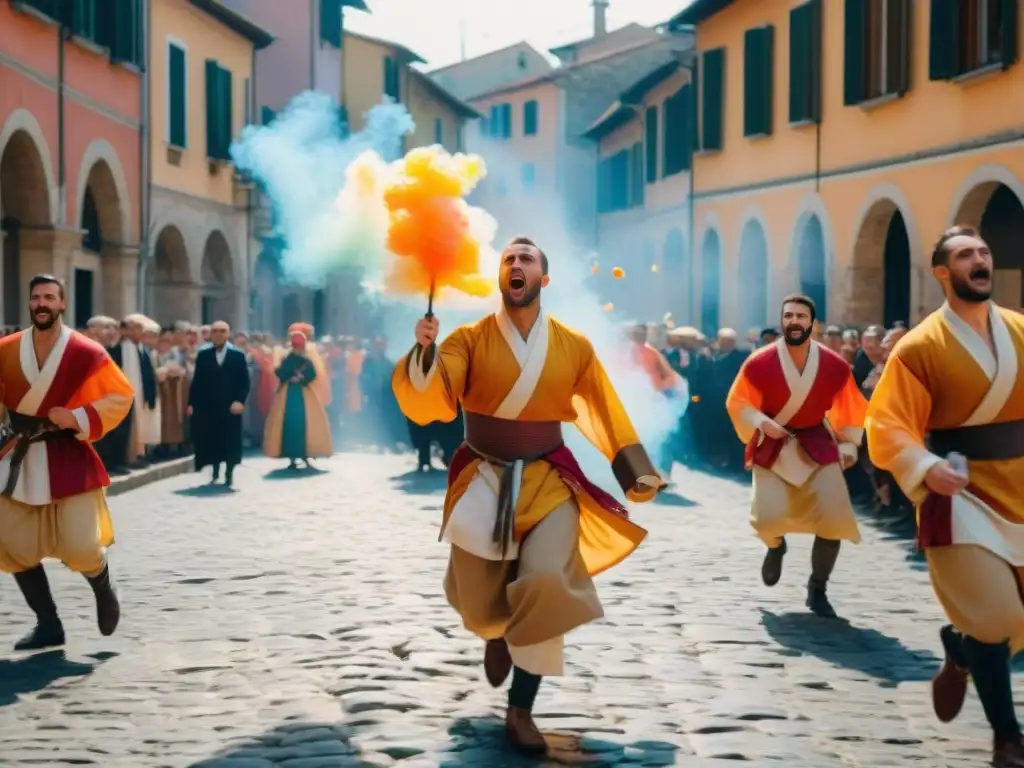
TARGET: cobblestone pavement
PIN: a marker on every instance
(300, 623)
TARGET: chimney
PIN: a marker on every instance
(600, 17)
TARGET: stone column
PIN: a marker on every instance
(119, 280)
(864, 293)
(47, 250)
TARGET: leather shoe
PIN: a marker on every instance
(523, 733)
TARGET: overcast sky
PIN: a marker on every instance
(433, 28)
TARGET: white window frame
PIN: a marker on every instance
(180, 45)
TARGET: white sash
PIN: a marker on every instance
(974, 521)
(793, 464)
(471, 523)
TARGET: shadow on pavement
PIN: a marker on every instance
(861, 649)
(35, 673)
(288, 473)
(480, 742)
(297, 742)
(421, 483)
(206, 490)
(672, 499)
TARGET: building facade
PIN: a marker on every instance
(643, 194)
(71, 173)
(836, 141)
(306, 55)
(202, 67)
(471, 77)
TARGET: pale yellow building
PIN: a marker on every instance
(201, 80)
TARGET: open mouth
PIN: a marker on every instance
(981, 274)
(517, 283)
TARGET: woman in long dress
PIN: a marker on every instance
(172, 383)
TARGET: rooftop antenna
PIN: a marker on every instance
(462, 36)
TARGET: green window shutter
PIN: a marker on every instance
(387, 76)
(506, 121)
(713, 92)
(530, 118)
(176, 97)
(343, 124)
(213, 102)
(637, 174)
(651, 143)
(227, 114)
(943, 40)
(494, 123)
(602, 186)
(898, 76)
(854, 43)
(126, 45)
(758, 59)
(805, 62)
(1009, 26)
(330, 22)
(83, 19)
(438, 131)
(267, 116)
(686, 118)
(668, 134)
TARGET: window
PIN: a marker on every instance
(506, 121)
(219, 113)
(521, 61)
(119, 29)
(678, 131)
(636, 175)
(267, 116)
(177, 95)
(500, 121)
(758, 78)
(877, 50)
(613, 187)
(330, 22)
(530, 118)
(438, 131)
(248, 101)
(485, 127)
(968, 35)
(805, 63)
(651, 143)
(343, 120)
(528, 174)
(712, 99)
(83, 21)
(392, 79)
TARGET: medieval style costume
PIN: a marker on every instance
(944, 391)
(798, 482)
(134, 359)
(527, 530)
(216, 397)
(53, 502)
(172, 385)
(297, 427)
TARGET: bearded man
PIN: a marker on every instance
(798, 411)
(947, 420)
(61, 392)
(527, 530)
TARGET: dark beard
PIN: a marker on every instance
(529, 297)
(44, 324)
(964, 292)
(799, 340)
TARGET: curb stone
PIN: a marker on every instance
(138, 479)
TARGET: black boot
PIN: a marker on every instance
(108, 607)
(229, 475)
(48, 632)
(824, 554)
(216, 473)
(771, 568)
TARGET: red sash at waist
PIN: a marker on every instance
(817, 442)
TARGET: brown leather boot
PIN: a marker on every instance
(949, 686)
(523, 733)
(1008, 753)
(497, 662)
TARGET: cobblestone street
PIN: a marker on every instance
(301, 623)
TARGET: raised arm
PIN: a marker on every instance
(429, 381)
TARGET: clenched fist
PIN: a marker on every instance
(426, 331)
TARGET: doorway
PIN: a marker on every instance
(84, 286)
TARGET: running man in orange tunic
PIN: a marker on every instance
(61, 392)
(527, 529)
(800, 414)
(947, 420)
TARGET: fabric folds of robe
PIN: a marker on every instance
(297, 425)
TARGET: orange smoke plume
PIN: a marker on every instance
(432, 232)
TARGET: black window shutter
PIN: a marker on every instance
(494, 124)
(815, 7)
(506, 121)
(758, 72)
(899, 73)
(227, 110)
(805, 62)
(637, 174)
(943, 40)
(854, 37)
(668, 134)
(176, 98)
(1010, 13)
(651, 143)
(686, 119)
(712, 88)
(213, 102)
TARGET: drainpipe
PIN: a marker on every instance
(250, 194)
(145, 165)
(63, 33)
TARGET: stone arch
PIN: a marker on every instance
(219, 287)
(991, 200)
(811, 253)
(711, 282)
(880, 284)
(102, 177)
(26, 203)
(675, 276)
(753, 275)
(27, 166)
(171, 283)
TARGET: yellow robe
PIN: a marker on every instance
(943, 375)
(479, 366)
